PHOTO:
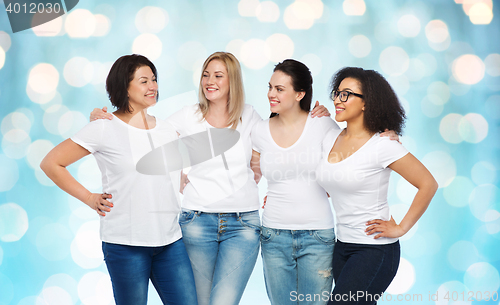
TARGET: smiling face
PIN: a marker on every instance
(142, 89)
(282, 97)
(215, 82)
(353, 108)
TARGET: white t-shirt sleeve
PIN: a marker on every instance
(389, 151)
(90, 136)
(178, 119)
(255, 136)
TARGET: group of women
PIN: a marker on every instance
(208, 255)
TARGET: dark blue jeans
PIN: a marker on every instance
(363, 272)
(168, 267)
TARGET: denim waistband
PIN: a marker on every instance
(232, 214)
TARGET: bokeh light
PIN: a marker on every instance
(13, 222)
(148, 45)
(482, 276)
(409, 25)
(360, 46)
(255, 54)
(5, 41)
(444, 65)
(394, 61)
(468, 69)
(281, 47)
(354, 7)
(151, 19)
(442, 166)
(492, 64)
(80, 23)
(94, 288)
(267, 11)
(458, 192)
(404, 279)
(48, 29)
(480, 13)
(78, 71)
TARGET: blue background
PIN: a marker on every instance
(444, 68)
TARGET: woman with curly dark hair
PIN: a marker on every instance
(355, 171)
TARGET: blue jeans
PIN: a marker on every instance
(363, 272)
(298, 265)
(168, 267)
(223, 249)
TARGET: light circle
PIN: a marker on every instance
(354, 7)
(189, 53)
(360, 46)
(473, 128)
(480, 13)
(492, 64)
(404, 279)
(5, 41)
(9, 173)
(255, 54)
(78, 71)
(299, 16)
(94, 288)
(483, 172)
(15, 143)
(147, 44)
(482, 277)
(394, 61)
(80, 23)
(54, 296)
(458, 191)
(151, 19)
(2, 57)
(409, 25)
(448, 128)
(468, 69)
(268, 11)
(442, 166)
(43, 78)
(436, 31)
(462, 254)
(13, 222)
(281, 47)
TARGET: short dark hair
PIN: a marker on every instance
(382, 107)
(121, 74)
(301, 80)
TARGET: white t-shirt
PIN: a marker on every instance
(146, 207)
(295, 201)
(358, 186)
(213, 188)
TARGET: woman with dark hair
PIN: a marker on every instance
(355, 171)
(141, 237)
(297, 236)
(220, 219)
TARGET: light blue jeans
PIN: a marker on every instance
(298, 265)
(223, 249)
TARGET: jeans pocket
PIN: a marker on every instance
(326, 236)
(186, 217)
(266, 234)
(251, 220)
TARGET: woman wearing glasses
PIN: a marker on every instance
(355, 170)
(297, 236)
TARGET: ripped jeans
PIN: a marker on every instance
(298, 265)
(223, 249)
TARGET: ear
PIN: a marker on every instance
(300, 95)
(363, 109)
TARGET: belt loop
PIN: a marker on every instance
(238, 214)
(198, 213)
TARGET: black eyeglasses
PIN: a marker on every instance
(344, 95)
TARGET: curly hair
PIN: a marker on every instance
(382, 107)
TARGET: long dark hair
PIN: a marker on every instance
(301, 80)
(119, 77)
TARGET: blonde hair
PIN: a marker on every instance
(236, 101)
